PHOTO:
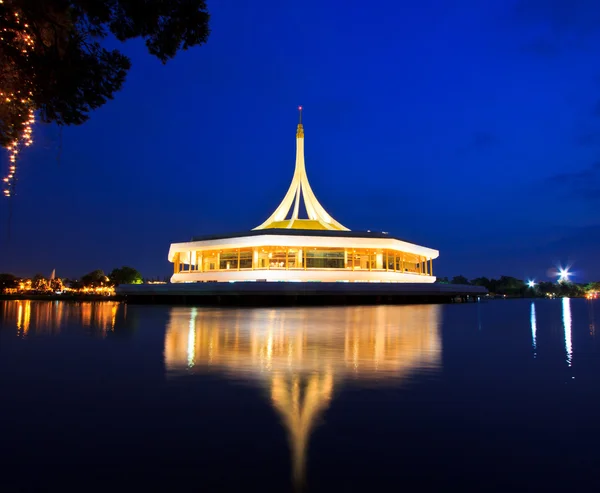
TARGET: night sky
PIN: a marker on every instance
(468, 126)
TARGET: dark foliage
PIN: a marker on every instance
(8, 281)
(94, 279)
(459, 280)
(125, 275)
(67, 73)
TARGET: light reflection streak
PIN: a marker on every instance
(23, 317)
(27, 317)
(51, 317)
(533, 329)
(566, 305)
(300, 355)
(192, 338)
(19, 317)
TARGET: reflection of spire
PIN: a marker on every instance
(533, 329)
(299, 360)
(299, 411)
(566, 305)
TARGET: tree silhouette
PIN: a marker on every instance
(52, 61)
(125, 275)
(94, 279)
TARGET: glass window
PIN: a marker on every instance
(325, 259)
(228, 261)
(292, 256)
(209, 261)
(246, 259)
(277, 259)
(390, 260)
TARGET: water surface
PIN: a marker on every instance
(497, 396)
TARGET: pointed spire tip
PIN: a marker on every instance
(300, 131)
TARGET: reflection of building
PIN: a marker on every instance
(287, 248)
(302, 353)
(51, 317)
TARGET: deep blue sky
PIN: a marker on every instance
(468, 126)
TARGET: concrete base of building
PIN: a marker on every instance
(298, 293)
(328, 276)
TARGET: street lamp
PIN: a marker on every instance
(531, 284)
(564, 274)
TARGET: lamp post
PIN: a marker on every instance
(563, 275)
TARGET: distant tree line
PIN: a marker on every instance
(94, 279)
(511, 286)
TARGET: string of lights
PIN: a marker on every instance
(22, 41)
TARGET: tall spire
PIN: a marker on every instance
(318, 218)
(300, 131)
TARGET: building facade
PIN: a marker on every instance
(288, 248)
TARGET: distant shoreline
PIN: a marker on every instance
(61, 297)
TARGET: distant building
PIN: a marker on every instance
(288, 248)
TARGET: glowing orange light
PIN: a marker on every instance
(24, 140)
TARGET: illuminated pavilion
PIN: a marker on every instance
(288, 248)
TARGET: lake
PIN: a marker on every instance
(493, 396)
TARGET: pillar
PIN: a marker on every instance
(431, 267)
(379, 261)
(254, 258)
(299, 263)
(176, 263)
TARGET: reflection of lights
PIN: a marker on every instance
(19, 317)
(192, 338)
(566, 304)
(531, 284)
(27, 316)
(48, 317)
(23, 317)
(299, 360)
(533, 328)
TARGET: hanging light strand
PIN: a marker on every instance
(22, 41)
